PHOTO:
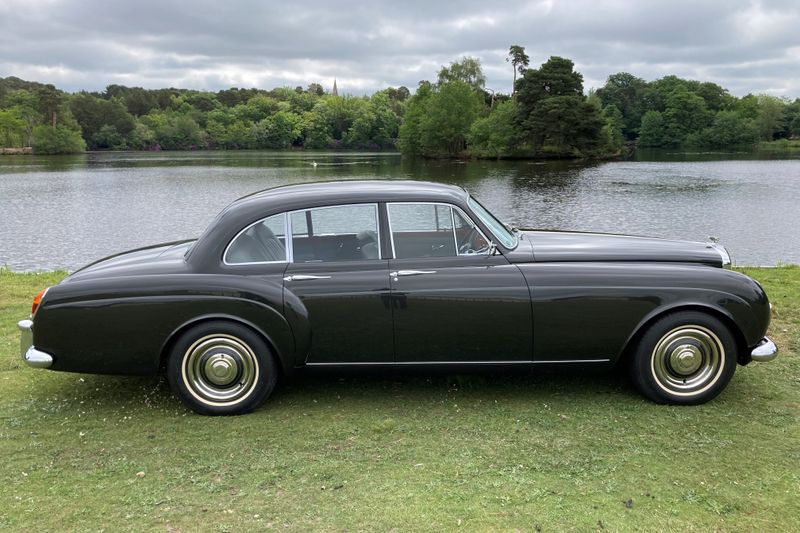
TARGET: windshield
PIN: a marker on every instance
(498, 229)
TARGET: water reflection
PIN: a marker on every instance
(67, 210)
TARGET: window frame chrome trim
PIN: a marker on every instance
(289, 234)
(452, 221)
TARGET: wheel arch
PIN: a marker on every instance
(717, 312)
(282, 355)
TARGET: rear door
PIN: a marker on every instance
(454, 301)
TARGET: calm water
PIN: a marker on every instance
(62, 212)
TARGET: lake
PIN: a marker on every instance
(65, 211)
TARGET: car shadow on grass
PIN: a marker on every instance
(131, 392)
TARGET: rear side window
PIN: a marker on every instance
(262, 242)
(339, 233)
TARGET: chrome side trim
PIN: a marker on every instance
(575, 361)
(765, 351)
(408, 363)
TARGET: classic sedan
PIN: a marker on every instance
(398, 274)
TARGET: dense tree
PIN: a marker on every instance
(496, 135)
(554, 117)
(771, 115)
(467, 70)
(60, 139)
(450, 112)
(626, 93)
(547, 115)
(12, 128)
(556, 77)
(793, 119)
(93, 113)
(410, 135)
(651, 132)
(685, 113)
(729, 128)
(376, 126)
(613, 134)
(277, 131)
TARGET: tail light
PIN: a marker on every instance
(37, 300)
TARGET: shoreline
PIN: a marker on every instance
(780, 146)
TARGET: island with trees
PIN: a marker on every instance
(547, 115)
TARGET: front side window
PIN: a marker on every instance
(340, 233)
(262, 242)
(506, 237)
(433, 230)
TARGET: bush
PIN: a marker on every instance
(58, 140)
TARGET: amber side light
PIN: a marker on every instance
(37, 300)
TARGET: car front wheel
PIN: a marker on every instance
(221, 368)
(686, 357)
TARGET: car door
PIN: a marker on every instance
(342, 284)
(455, 299)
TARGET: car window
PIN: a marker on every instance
(433, 230)
(262, 242)
(339, 233)
(506, 237)
(469, 238)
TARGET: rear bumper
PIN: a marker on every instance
(764, 351)
(32, 357)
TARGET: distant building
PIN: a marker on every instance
(335, 90)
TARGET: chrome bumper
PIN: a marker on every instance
(765, 351)
(31, 356)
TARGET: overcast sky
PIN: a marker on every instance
(744, 46)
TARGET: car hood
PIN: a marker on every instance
(151, 260)
(574, 246)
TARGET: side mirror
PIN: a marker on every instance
(493, 249)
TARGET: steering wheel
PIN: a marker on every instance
(468, 246)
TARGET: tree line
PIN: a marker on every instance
(548, 114)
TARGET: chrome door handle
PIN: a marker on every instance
(397, 273)
(304, 277)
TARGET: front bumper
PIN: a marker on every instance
(764, 351)
(32, 357)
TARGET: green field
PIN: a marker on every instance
(548, 452)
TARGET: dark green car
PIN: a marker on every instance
(402, 275)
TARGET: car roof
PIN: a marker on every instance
(253, 207)
(353, 191)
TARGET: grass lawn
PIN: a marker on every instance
(547, 452)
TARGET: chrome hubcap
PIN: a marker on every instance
(687, 360)
(220, 369)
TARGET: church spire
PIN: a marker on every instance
(335, 90)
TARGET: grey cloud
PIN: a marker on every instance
(745, 46)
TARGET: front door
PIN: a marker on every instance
(454, 300)
(338, 284)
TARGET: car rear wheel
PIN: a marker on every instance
(221, 368)
(686, 357)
